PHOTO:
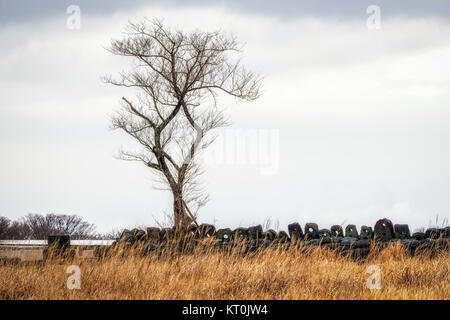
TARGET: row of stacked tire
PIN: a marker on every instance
(348, 241)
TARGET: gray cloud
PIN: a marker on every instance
(363, 119)
(17, 11)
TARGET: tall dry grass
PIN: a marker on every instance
(270, 274)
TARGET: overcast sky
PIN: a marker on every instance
(353, 125)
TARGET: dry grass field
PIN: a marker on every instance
(270, 274)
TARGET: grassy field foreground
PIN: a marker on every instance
(270, 274)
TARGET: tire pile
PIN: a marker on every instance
(253, 239)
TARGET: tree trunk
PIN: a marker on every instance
(180, 218)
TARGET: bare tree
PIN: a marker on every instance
(13, 230)
(4, 224)
(178, 77)
(41, 226)
(4, 227)
(38, 226)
